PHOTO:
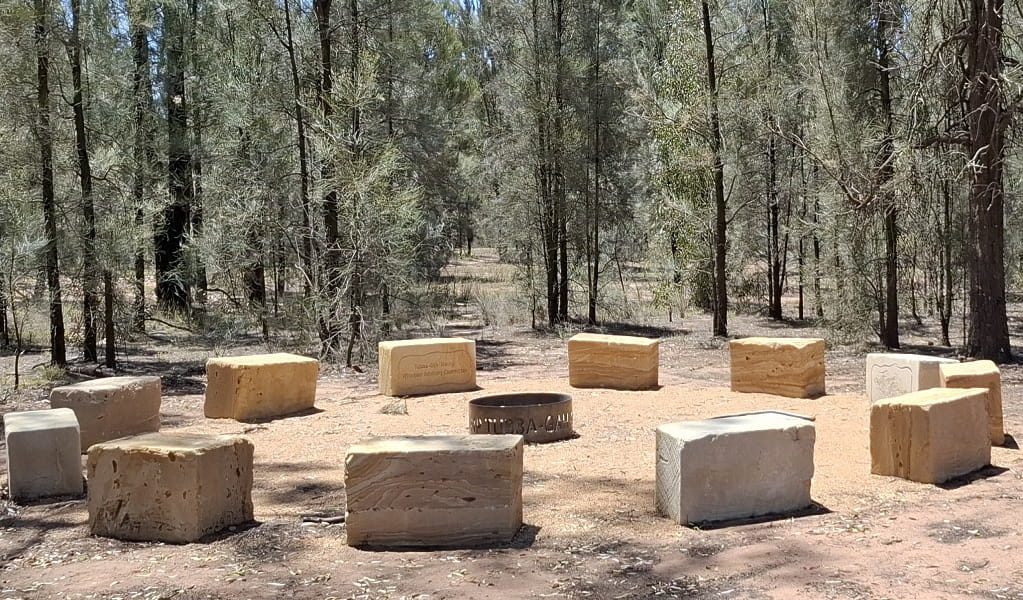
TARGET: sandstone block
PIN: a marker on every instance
(930, 436)
(260, 386)
(427, 366)
(792, 367)
(979, 374)
(734, 467)
(43, 453)
(434, 491)
(111, 407)
(890, 375)
(169, 487)
(619, 362)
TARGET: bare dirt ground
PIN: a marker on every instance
(591, 529)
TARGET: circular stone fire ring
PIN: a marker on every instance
(537, 416)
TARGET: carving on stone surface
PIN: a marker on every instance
(891, 380)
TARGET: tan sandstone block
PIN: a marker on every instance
(893, 374)
(43, 455)
(260, 386)
(979, 374)
(792, 367)
(169, 487)
(619, 362)
(434, 490)
(930, 436)
(427, 366)
(111, 407)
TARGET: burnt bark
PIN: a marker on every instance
(718, 169)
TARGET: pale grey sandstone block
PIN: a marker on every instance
(427, 366)
(734, 467)
(619, 362)
(434, 490)
(111, 407)
(169, 487)
(43, 453)
(890, 374)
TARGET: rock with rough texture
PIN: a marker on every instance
(427, 366)
(734, 467)
(169, 487)
(461, 490)
(979, 374)
(261, 386)
(619, 362)
(43, 453)
(930, 436)
(890, 375)
(111, 407)
(792, 367)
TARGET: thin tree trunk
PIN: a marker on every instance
(945, 304)
(355, 287)
(890, 316)
(303, 158)
(594, 259)
(720, 218)
(142, 93)
(560, 200)
(330, 283)
(109, 329)
(197, 200)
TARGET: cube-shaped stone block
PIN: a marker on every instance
(979, 374)
(261, 386)
(619, 362)
(458, 490)
(791, 367)
(734, 467)
(111, 407)
(169, 487)
(43, 453)
(890, 375)
(930, 436)
(427, 366)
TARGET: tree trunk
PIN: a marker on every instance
(109, 329)
(303, 158)
(330, 282)
(886, 173)
(356, 285)
(593, 280)
(44, 134)
(945, 302)
(142, 93)
(560, 199)
(197, 200)
(718, 168)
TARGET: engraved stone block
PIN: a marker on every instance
(619, 362)
(427, 366)
(169, 487)
(930, 436)
(111, 407)
(43, 453)
(979, 374)
(734, 467)
(792, 367)
(890, 375)
(434, 491)
(261, 386)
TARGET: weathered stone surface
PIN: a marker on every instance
(169, 487)
(260, 386)
(792, 367)
(930, 436)
(43, 455)
(434, 490)
(734, 467)
(111, 407)
(619, 362)
(979, 374)
(890, 375)
(427, 366)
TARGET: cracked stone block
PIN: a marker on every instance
(891, 374)
(169, 487)
(260, 386)
(618, 362)
(111, 407)
(791, 367)
(427, 366)
(734, 467)
(460, 490)
(979, 374)
(43, 453)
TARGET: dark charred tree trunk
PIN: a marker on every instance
(44, 134)
(196, 207)
(718, 169)
(142, 93)
(109, 329)
(560, 198)
(946, 284)
(303, 156)
(886, 173)
(593, 231)
(356, 286)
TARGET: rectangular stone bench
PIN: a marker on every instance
(427, 366)
(617, 362)
(461, 490)
(111, 407)
(791, 367)
(892, 374)
(169, 487)
(44, 455)
(261, 386)
(979, 374)
(930, 436)
(734, 467)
